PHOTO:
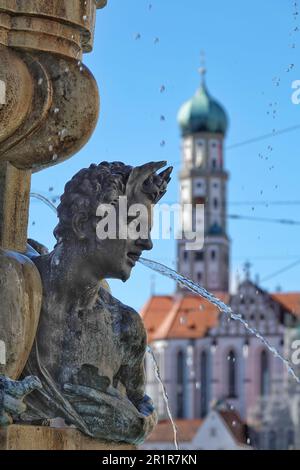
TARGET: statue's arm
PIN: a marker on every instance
(132, 376)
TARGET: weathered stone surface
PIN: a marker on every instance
(12, 394)
(13, 210)
(65, 27)
(18, 92)
(17, 437)
(20, 304)
(57, 114)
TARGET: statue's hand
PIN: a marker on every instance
(110, 415)
(12, 394)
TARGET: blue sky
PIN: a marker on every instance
(252, 55)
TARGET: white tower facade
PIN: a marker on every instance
(203, 180)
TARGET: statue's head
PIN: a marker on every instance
(105, 214)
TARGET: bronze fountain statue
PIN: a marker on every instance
(72, 351)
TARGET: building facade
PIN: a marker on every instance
(203, 355)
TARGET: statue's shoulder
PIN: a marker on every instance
(128, 319)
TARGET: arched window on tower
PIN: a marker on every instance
(232, 375)
(264, 374)
(204, 384)
(180, 384)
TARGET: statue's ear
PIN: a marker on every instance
(79, 225)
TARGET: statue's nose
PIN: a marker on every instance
(145, 244)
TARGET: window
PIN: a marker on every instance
(199, 256)
(290, 439)
(213, 255)
(200, 149)
(232, 376)
(214, 164)
(187, 153)
(264, 374)
(204, 383)
(216, 203)
(199, 277)
(180, 384)
(272, 440)
(185, 255)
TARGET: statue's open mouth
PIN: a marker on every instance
(133, 257)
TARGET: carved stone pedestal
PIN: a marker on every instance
(17, 437)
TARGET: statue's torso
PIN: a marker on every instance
(70, 339)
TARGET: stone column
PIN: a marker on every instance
(49, 101)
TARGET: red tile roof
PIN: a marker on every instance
(182, 316)
(188, 428)
(290, 300)
(190, 316)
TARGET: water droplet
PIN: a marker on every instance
(63, 133)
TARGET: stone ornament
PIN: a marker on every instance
(65, 27)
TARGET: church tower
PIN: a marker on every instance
(203, 180)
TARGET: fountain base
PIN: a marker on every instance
(16, 437)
